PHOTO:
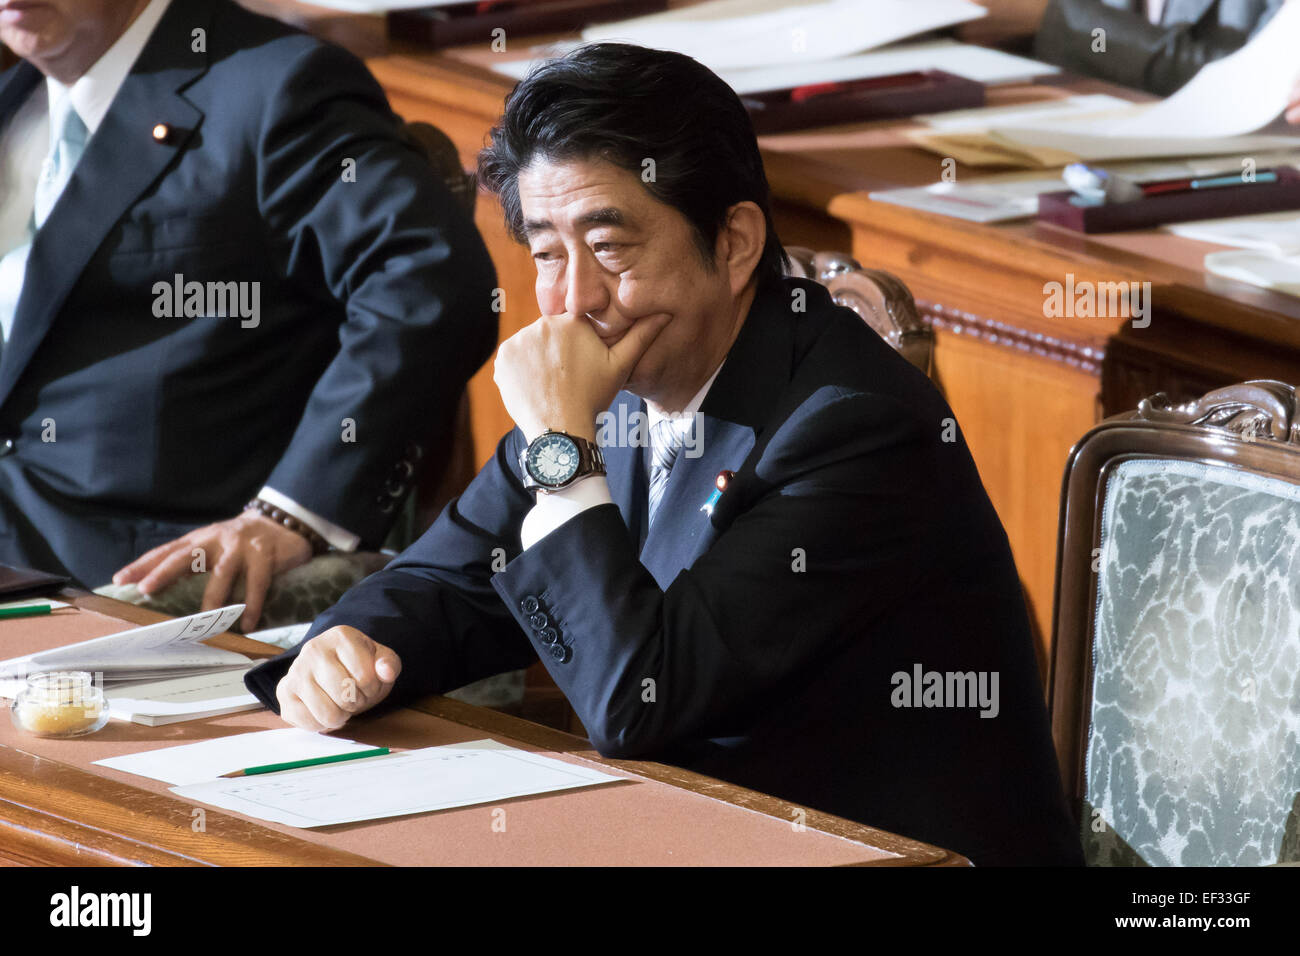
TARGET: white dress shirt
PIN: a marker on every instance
(1154, 9)
(554, 508)
(24, 142)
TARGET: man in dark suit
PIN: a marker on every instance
(1155, 45)
(765, 582)
(230, 278)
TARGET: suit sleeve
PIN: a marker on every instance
(434, 604)
(1138, 53)
(777, 593)
(359, 212)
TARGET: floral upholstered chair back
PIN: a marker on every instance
(1175, 692)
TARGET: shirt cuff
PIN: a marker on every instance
(556, 507)
(337, 538)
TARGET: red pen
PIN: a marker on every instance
(802, 93)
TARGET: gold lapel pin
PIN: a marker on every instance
(162, 132)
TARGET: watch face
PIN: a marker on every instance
(552, 460)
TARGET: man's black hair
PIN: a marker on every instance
(627, 104)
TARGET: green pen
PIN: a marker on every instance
(26, 610)
(309, 762)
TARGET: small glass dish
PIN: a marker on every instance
(60, 704)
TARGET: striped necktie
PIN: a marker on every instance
(666, 441)
(68, 135)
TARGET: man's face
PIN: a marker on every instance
(606, 248)
(57, 31)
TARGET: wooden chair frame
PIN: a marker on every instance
(880, 297)
(1253, 427)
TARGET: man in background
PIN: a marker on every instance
(226, 279)
(1153, 45)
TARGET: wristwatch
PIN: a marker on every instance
(555, 460)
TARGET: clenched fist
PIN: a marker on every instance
(338, 673)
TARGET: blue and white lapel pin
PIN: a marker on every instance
(719, 486)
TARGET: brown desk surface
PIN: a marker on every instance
(57, 807)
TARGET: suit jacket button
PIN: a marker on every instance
(560, 653)
(538, 621)
(529, 605)
(548, 635)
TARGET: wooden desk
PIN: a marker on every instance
(1024, 386)
(56, 808)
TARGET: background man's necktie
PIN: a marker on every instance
(666, 441)
(68, 135)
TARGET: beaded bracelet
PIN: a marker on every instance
(318, 544)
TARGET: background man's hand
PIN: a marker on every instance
(1293, 109)
(558, 373)
(250, 545)
(338, 673)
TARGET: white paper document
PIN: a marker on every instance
(209, 759)
(1216, 111)
(166, 649)
(744, 34)
(286, 636)
(974, 201)
(416, 781)
(1064, 110)
(1278, 273)
(154, 703)
(1015, 196)
(978, 63)
(1273, 233)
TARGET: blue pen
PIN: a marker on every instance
(1233, 180)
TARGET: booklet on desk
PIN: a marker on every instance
(1229, 106)
(157, 651)
(155, 703)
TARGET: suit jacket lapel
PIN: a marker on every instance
(18, 83)
(122, 159)
(733, 416)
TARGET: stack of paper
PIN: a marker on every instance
(1272, 233)
(1267, 252)
(154, 703)
(978, 63)
(1015, 196)
(750, 34)
(154, 674)
(1220, 110)
(1278, 273)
